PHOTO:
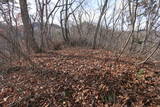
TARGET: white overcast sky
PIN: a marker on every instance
(90, 5)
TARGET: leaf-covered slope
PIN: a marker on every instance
(80, 77)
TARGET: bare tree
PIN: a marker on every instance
(10, 32)
(65, 13)
(133, 6)
(28, 30)
(151, 14)
(98, 24)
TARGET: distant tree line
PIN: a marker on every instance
(123, 26)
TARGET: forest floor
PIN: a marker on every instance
(80, 78)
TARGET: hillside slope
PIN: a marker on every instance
(80, 77)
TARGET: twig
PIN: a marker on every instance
(150, 54)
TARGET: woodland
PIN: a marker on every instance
(79, 53)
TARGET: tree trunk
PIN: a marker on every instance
(28, 30)
(66, 22)
(98, 25)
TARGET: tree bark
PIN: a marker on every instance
(28, 30)
(98, 24)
